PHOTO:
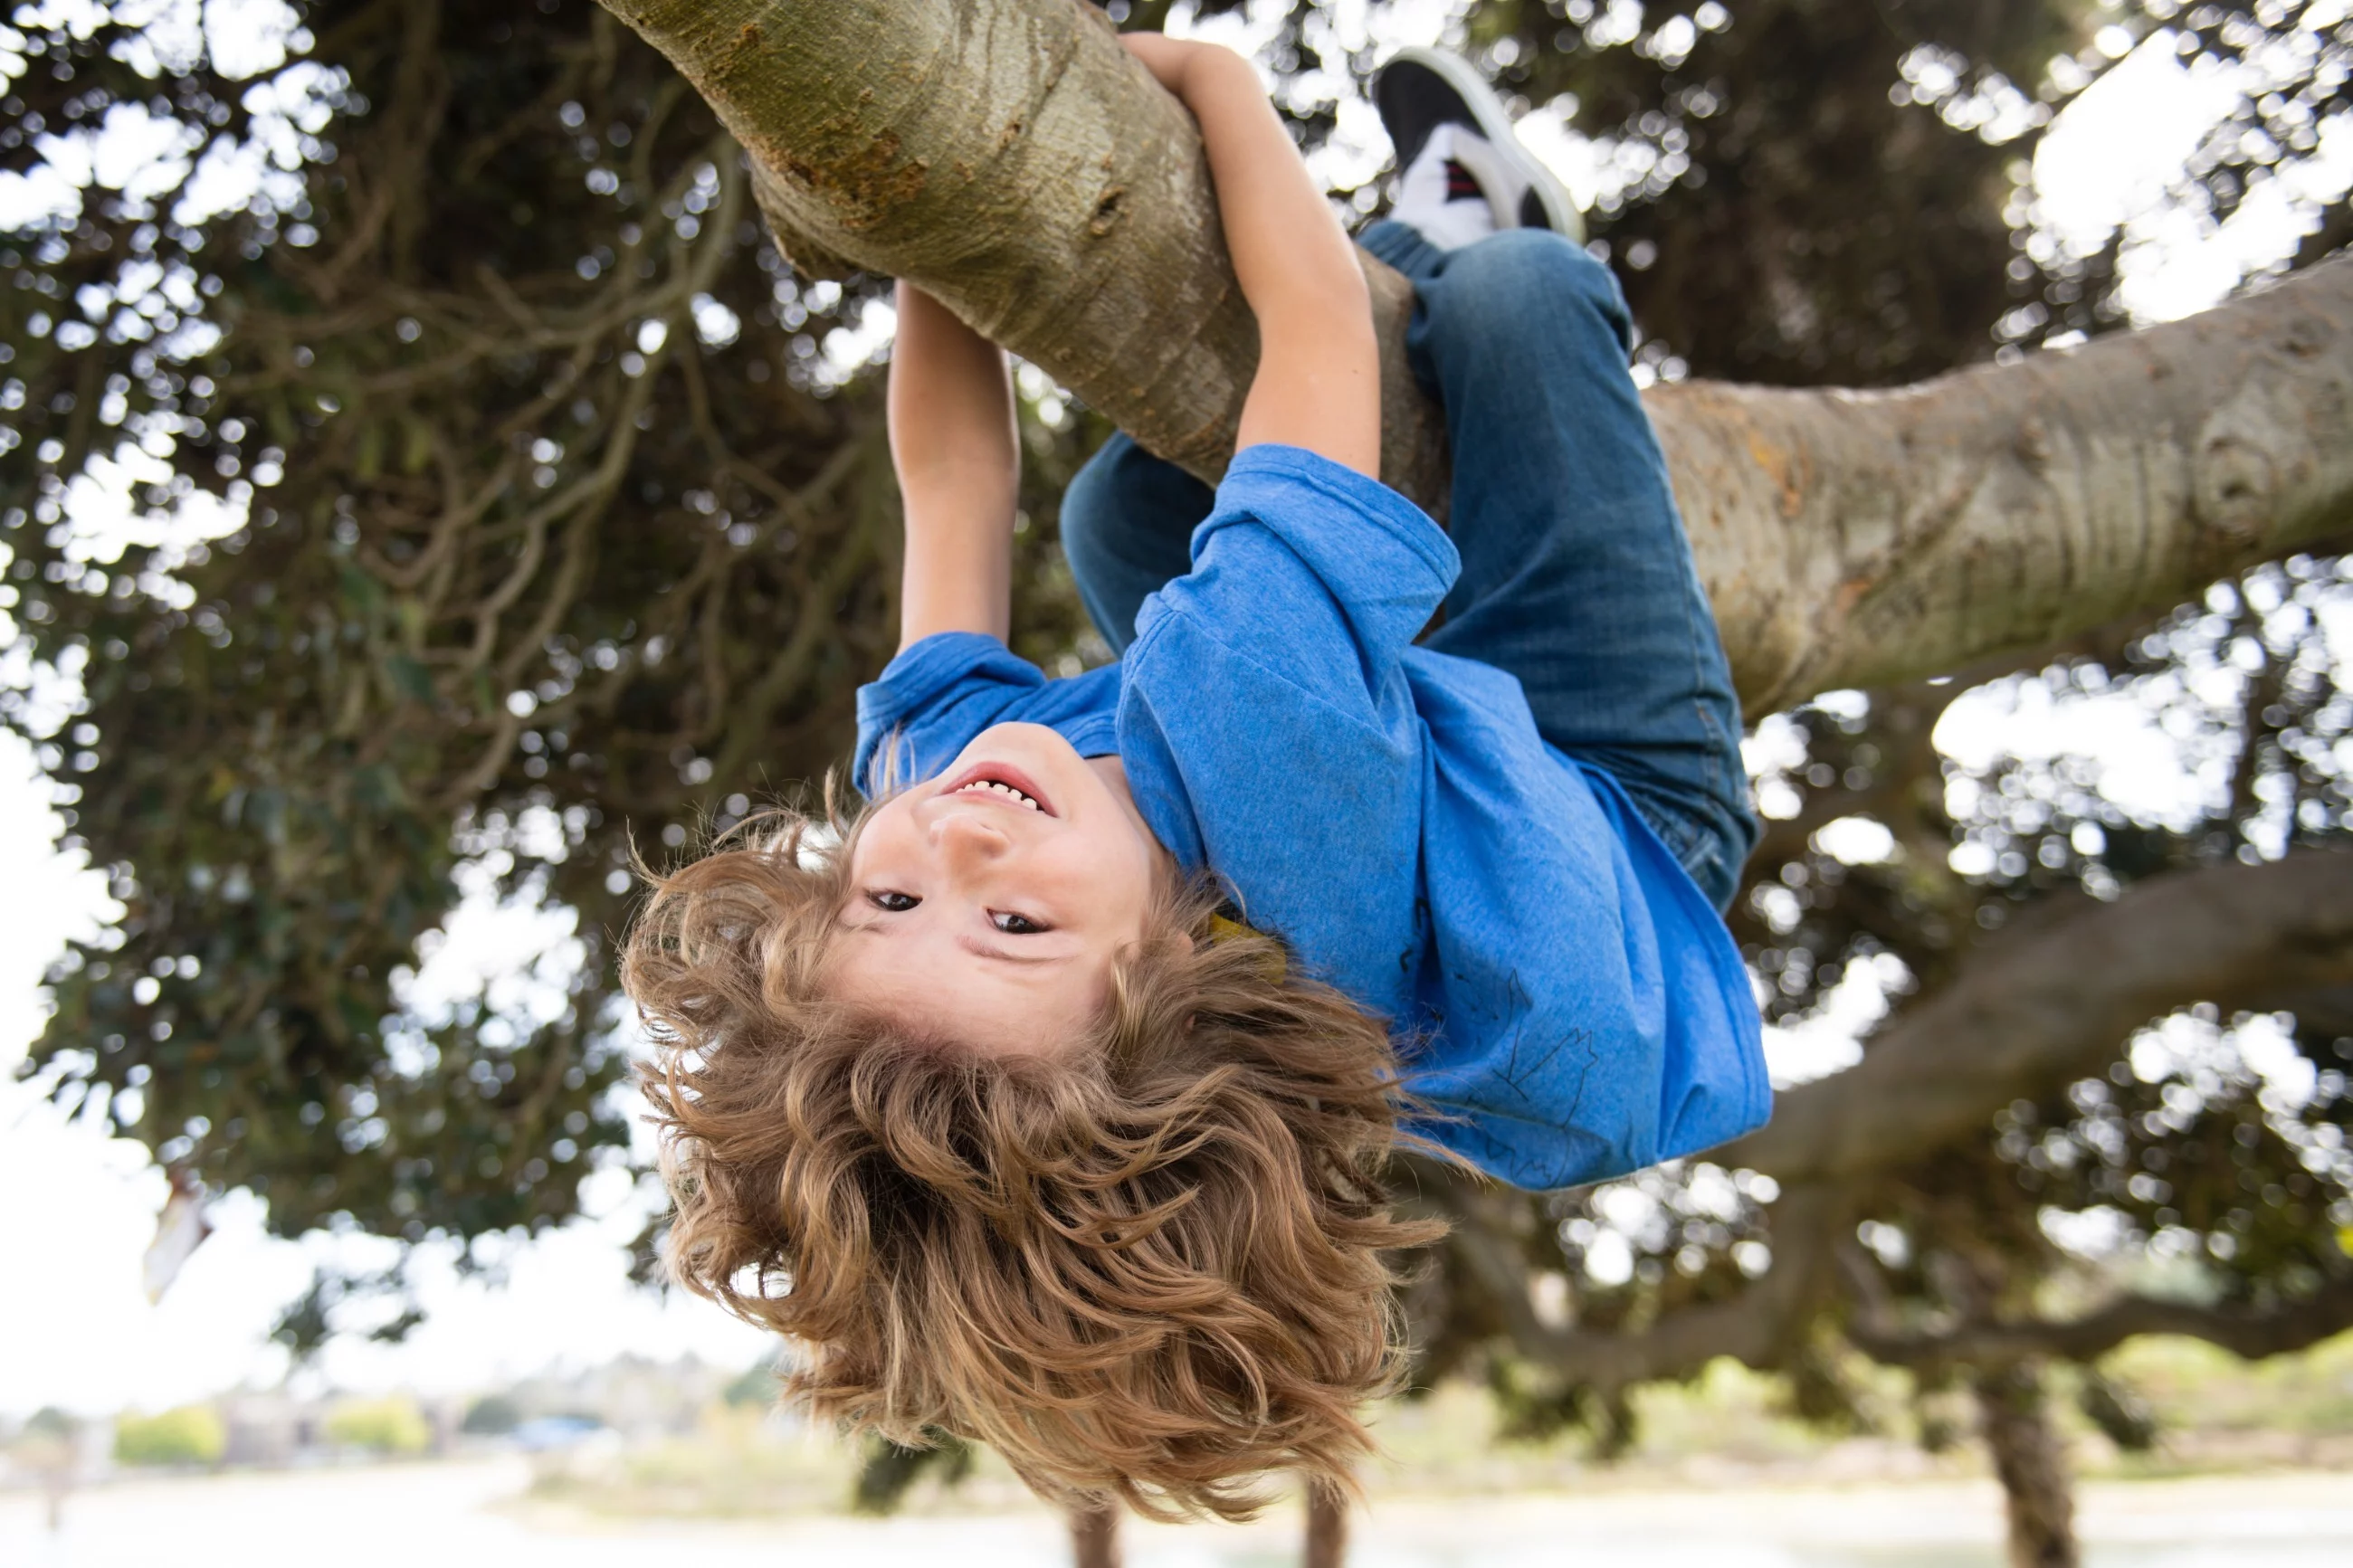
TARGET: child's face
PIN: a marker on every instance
(986, 919)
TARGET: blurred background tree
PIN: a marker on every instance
(389, 1425)
(493, 1415)
(48, 1448)
(422, 479)
(187, 1434)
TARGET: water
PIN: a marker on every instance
(470, 1515)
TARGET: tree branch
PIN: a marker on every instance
(2052, 999)
(1007, 155)
(2250, 1333)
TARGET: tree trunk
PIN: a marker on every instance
(1326, 1544)
(2031, 1463)
(1009, 156)
(1095, 1537)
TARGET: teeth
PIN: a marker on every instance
(1000, 787)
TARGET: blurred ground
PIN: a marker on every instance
(2253, 1468)
(1729, 1429)
(461, 1515)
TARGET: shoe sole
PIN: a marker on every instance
(1478, 95)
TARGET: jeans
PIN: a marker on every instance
(1577, 577)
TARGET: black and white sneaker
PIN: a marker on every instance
(1420, 90)
(1442, 195)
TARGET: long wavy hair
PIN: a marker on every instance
(1152, 1267)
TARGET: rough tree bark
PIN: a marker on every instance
(1009, 156)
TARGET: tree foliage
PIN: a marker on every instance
(421, 475)
(555, 531)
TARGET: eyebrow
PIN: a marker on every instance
(977, 948)
(983, 950)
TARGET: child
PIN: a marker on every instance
(981, 1095)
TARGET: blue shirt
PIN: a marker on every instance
(1567, 997)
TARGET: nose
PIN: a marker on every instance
(965, 840)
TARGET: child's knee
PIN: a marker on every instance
(1127, 523)
(1089, 503)
(1504, 288)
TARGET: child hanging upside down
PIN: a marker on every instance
(1045, 1100)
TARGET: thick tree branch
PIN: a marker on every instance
(2252, 1333)
(1854, 539)
(1009, 156)
(2052, 999)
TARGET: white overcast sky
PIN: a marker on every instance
(77, 1210)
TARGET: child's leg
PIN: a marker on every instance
(1576, 576)
(1128, 527)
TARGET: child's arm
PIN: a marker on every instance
(1318, 382)
(959, 463)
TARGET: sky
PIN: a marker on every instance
(78, 1209)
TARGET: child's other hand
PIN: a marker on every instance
(1177, 63)
(1163, 56)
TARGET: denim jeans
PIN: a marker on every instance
(1577, 577)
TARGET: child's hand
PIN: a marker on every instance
(1165, 57)
(1318, 382)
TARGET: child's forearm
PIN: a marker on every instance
(1318, 378)
(959, 463)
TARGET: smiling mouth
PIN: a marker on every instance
(998, 781)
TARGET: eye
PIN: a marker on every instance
(894, 902)
(1013, 924)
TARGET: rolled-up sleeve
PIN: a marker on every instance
(1328, 574)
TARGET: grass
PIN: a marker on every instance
(1729, 1426)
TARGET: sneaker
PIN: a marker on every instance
(1440, 195)
(1420, 90)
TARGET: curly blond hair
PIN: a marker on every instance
(1150, 1268)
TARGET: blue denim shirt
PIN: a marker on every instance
(1569, 1000)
